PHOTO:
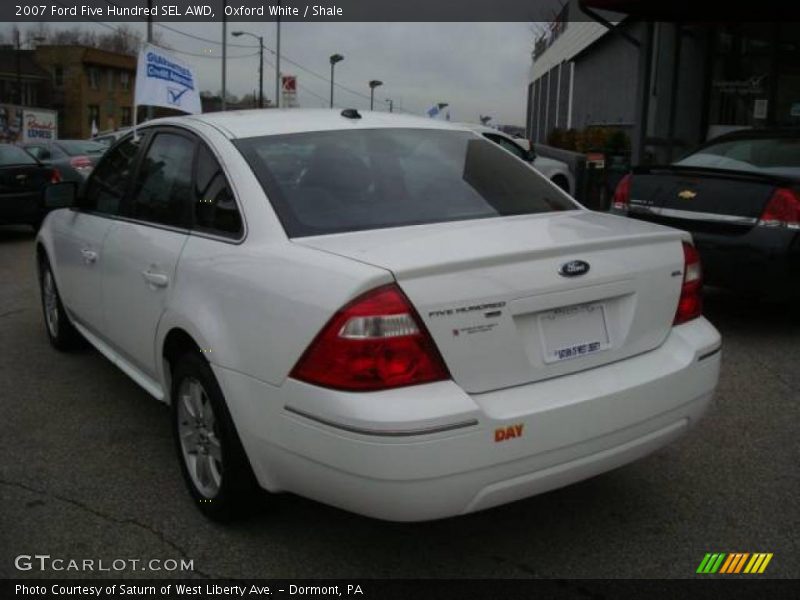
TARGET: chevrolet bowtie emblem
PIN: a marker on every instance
(687, 194)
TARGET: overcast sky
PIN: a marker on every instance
(478, 68)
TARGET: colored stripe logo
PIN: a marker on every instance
(734, 563)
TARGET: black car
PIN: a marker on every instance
(22, 183)
(739, 196)
(74, 159)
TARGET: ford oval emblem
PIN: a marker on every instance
(574, 268)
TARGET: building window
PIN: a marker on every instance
(94, 115)
(58, 75)
(125, 80)
(126, 116)
(94, 78)
(110, 74)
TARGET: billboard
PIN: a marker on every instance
(21, 124)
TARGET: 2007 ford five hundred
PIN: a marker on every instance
(384, 313)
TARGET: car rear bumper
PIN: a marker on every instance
(433, 451)
(765, 261)
(762, 261)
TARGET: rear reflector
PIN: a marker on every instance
(782, 210)
(375, 342)
(622, 195)
(690, 304)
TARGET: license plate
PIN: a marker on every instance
(573, 332)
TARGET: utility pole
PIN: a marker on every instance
(19, 68)
(278, 60)
(149, 41)
(224, 54)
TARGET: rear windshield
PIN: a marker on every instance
(778, 155)
(338, 181)
(77, 147)
(13, 155)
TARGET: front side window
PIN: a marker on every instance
(164, 187)
(108, 182)
(215, 209)
(336, 181)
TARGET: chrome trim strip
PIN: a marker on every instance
(691, 215)
(384, 432)
(717, 350)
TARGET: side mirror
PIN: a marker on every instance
(530, 155)
(61, 195)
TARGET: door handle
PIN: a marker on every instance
(89, 255)
(156, 279)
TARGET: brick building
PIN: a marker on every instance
(89, 85)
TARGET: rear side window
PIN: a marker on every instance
(780, 155)
(337, 181)
(164, 187)
(107, 183)
(215, 209)
(13, 155)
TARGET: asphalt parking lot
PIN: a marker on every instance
(87, 470)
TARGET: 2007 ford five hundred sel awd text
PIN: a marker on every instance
(388, 314)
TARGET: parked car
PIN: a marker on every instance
(739, 196)
(74, 159)
(556, 171)
(384, 313)
(22, 183)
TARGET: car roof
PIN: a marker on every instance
(272, 121)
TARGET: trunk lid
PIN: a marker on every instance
(491, 295)
(701, 199)
(17, 179)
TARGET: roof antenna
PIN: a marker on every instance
(350, 113)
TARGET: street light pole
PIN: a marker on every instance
(335, 58)
(260, 64)
(372, 85)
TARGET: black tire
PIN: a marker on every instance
(236, 493)
(62, 334)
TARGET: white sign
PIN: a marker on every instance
(38, 125)
(163, 80)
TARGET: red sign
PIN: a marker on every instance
(289, 83)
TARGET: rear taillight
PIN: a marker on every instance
(690, 304)
(81, 163)
(622, 195)
(55, 176)
(782, 210)
(375, 342)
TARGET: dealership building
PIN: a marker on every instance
(668, 85)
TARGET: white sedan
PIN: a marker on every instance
(387, 314)
(555, 170)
